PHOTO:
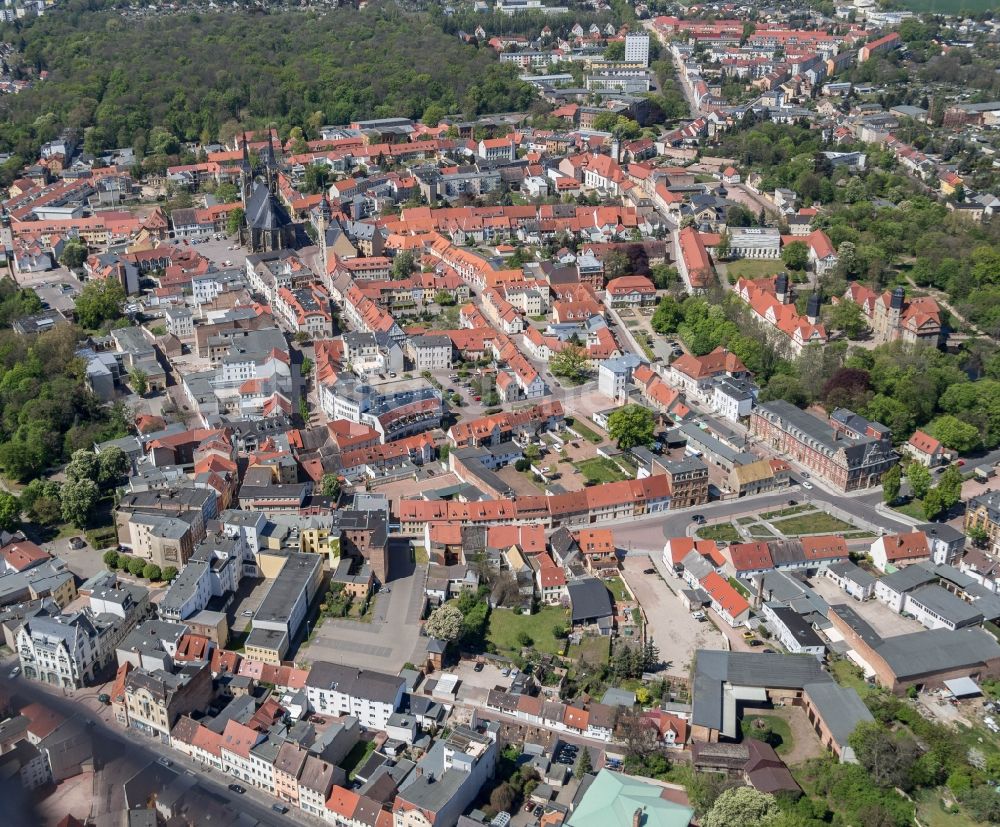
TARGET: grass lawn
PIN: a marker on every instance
(754, 268)
(787, 512)
(592, 650)
(914, 508)
(760, 531)
(357, 757)
(931, 812)
(584, 431)
(849, 675)
(725, 532)
(617, 588)
(505, 626)
(420, 556)
(779, 726)
(818, 522)
(736, 584)
(600, 469)
(747, 520)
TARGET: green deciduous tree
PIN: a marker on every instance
(135, 566)
(112, 464)
(742, 807)
(111, 559)
(78, 498)
(169, 573)
(10, 511)
(954, 433)
(234, 220)
(570, 362)
(74, 254)
(139, 380)
(330, 486)
(444, 623)
(99, 302)
(919, 478)
(151, 571)
(891, 480)
(631, 426)
(83, 465)
(795, 255)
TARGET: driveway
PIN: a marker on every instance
(676, 634)
(388, 641)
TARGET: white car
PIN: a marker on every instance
(807, 485)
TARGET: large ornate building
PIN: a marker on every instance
(266, 226)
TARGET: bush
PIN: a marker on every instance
(522, 464)
(524, 639)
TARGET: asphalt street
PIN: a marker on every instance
(121, 753)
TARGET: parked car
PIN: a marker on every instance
(279, 808)
(478, 667)
(649, 571)
(104, 698)
(807, 485)
(247, 613)
(236, 788)
(14, 672)
(166, 762)
(698, 518)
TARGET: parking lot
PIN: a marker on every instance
(57, 288)
(390, 639)
(674, 631)
(885, 621)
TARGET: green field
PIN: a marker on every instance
(723, 531)
(505, 626)
(818, 522)
(755, 268)
(600, 469)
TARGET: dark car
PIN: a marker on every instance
(279, 808)
(755, 642)
(649, 571)
(698, 518)
(478, 667)
(236, 788)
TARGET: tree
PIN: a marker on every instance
(522, 464)
(570, 362)
(40, 501)
(887, 758)
(979, 536)
(847, 317)
(78, 498)
(82, 466)
(583, 763)
(403, 264)
(10, 511)
(329, 486)
(632, 425)
(723, 248)
(955, 434)
(616, 264)
(795, 255)
(950, 483)
(444, 623)
(742, 807)
(112, 464)
(934, 504)
(136, 566)
(444, 298)
(151, 571)
(668, 315)
(919, 478)
(524, 639)
(234, 220)
(502, 798)
(111, 559)
(663, 276)
(169, 573)
(99, 302)
(139, 380)
(891, 484)
(74, 254)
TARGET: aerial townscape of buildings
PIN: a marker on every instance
(477, 472)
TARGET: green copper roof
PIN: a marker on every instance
(612, 799)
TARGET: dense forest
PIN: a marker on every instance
(46, 410)
(195, 77)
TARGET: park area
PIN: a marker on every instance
(510, 632)
(600, 470)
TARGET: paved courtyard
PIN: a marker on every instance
(885, 621)
(385, 643)
(676, 634)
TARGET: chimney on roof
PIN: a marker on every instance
(637, 817)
